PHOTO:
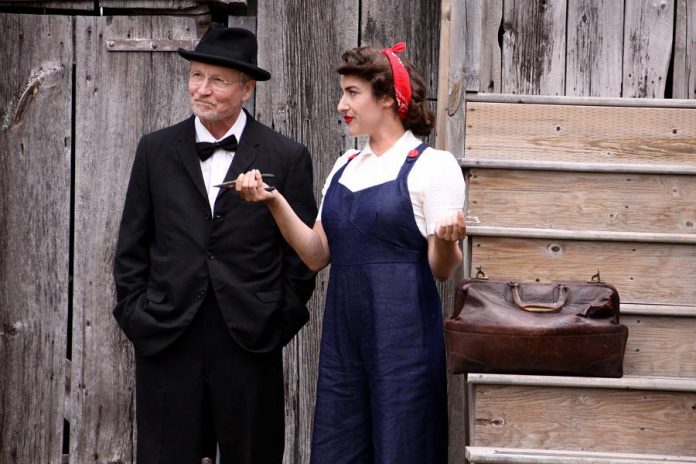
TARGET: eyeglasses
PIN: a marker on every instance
(216, 82)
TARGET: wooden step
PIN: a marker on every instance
(574, 132)
(626, 415)
(661, 340)
(482, 455)
(643, 272)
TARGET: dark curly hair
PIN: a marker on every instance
(369, 63)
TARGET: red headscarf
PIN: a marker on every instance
(402, 81)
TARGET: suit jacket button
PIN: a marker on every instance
(218, 216)
(207, 216)
(200, 294)
(211, 255)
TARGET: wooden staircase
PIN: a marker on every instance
(563, 187)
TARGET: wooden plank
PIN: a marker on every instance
(599, 168)
(300, 101)
(566, 234)
(483, 455)
(430, 139)
(648, 30)
(443, 73)
(584, 101)
(459, 64)
(585, 419)
(147, 45)
(150, 4)
(457, 72)
(684, 75)
(200, 9)
(172, 4)
(463, 68)
(534, 47)
(581, 134)
(120, 96)
(58, 5)
(35, 139)
(660, 346)
(458, 411)
(457, 416)
(584, 201)
(382, 25)
(627, 382)
(658, 310)
(594, 66)
(466, 40)
(248, 23)
(642, 272)
(490, 72)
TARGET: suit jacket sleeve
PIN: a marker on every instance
(298, 280)
(132, 258)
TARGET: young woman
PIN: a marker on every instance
(390, 219)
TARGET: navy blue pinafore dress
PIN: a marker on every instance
(381, 393)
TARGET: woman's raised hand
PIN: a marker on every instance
(251, 187)
(452, 228)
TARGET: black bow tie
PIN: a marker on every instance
(206, 149)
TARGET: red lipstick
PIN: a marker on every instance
(348, 119)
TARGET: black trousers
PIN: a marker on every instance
(204, 391)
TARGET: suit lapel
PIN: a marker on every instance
(246, 153)
(186, 149)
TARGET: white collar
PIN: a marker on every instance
(403, 145)
(204, 135)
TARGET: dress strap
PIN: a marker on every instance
(350, 158)
(337, 175)
(416, 152)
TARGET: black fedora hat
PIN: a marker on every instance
(231, 47)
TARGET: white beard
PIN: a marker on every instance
(209, 115)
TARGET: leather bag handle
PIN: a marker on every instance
(536, 307)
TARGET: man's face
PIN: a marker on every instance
(217, 93)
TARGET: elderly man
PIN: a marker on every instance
(208, 292)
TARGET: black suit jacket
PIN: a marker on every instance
(171, 250)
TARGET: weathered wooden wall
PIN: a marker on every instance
(579, 47)
(301, 101)
(66, 375)
(685, 50)
(35, 167)
(119, 95)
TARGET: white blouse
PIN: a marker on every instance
(435, 183)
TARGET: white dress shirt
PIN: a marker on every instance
(435, 183)
(215, 168)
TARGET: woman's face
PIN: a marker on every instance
(362, 112)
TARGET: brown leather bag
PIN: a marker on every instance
(556, 328)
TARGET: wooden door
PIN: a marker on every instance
(120, 95)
